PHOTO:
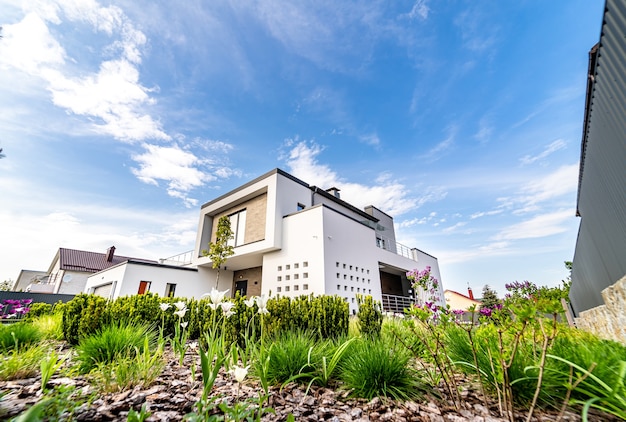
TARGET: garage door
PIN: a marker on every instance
(104, 290)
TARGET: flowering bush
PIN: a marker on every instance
(14, 308)
(429, 285)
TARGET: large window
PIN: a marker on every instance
(238, 226)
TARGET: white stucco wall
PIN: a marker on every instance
(300, 261)
(71, 282)
(351, 261)
(126, 278)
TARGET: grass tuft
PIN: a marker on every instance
(18, 334)
(376, 368)
(114, 341)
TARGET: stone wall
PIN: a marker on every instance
(609, 320)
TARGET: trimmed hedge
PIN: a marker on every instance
(325, 316)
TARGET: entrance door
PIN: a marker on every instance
(241, 286)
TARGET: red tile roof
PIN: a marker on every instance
(92, 262)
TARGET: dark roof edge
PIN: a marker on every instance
(343, 203)
(148, 264)
(591, 72)
(256, 180)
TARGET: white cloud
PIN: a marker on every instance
(477, 35)
(435, 152)
(113, 98)
(454, 228)
(371, 139)
(549, 149)
(542, 225)
(490, 250)
(420, 10)
(57, 217)
(390, 196)
(484, 213)
(174, 165)
(562, 181)
(28, 45)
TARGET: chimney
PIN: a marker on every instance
(333, 191)
(470, 293)
(109, 254)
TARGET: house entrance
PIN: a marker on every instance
(241, 286)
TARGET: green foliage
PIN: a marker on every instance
(82, 316)
(370, 316)
(130, 370)
(241, 326)
(375, 368)
(324, 316)
(113, 341)
(579, 366)
(59, 405)
(18, 335)
(141, 416)
(50, 326)
(289, 355)
(38, 309)
(220, 250)
(22, 363)
(136, 308)
(48, 367)
(490, 298)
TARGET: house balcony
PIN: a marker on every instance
(396, 304)
(40, 288)
(395, 247)
(180, 260)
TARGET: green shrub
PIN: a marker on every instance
(128, 372)
(136, 308)
(22, 363)
(18, 335)
(289, 356)
(38, 309)
(113, 341)
(82, 316)
(50, 326)
(375, 368)
(242, 325)
(324, 316)
(370, 316)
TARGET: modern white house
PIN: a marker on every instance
(133, 277)
(293, 239)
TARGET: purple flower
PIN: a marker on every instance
(458, 311)
(485, 311)
(27, 301)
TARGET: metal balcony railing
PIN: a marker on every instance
(396, 304)
(182, 259)
(395, 247)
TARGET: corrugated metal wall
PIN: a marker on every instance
(600, 256)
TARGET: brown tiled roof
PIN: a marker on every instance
(85, 261)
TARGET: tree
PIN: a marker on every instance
(220, 250)
(490, 298)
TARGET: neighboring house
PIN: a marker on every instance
(28, 278)
(70, 269)
(600, 255)
(139, 276)
(294, 239)
(458, 300)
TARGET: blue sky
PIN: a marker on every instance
(462, 119)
